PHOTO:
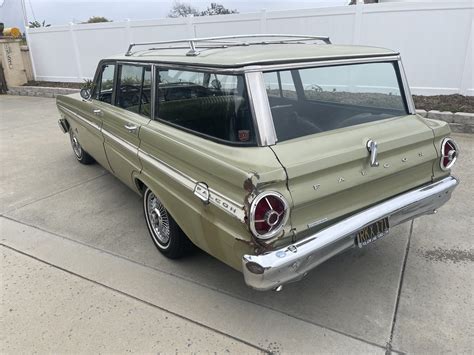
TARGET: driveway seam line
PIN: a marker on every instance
(204, 285)
(399, 291)
(55, 193)
(135, 298)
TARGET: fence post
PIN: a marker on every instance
(191, 28)
(128, 32)
(29, 41)
(263, 21)
(359, 6)
(467, 81)
(76, 50)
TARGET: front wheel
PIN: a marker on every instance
(81, 155)
(164, 231)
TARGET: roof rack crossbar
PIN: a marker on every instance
(223, 41)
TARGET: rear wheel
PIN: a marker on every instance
(81, 155)
(164, 231)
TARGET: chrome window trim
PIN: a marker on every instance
(406, 88)
(266, 134)
(152, 76)
(321, 63)
(215, 198)
(190, 67)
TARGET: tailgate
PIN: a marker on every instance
(329, 174)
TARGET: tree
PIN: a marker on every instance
(37, 24)
(217, 9)
(181, 9)
(97, 19)
(353, 2)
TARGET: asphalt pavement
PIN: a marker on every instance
(79, 272)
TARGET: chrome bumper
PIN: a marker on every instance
(63, 125)
(291, 263)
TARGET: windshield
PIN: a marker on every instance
(312, 100)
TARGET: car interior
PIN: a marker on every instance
(300, 117)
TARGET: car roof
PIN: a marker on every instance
(257, 54)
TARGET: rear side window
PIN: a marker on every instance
(326, 98)
(134, 89)
(211, 104)
(280, 84)
(105, 83)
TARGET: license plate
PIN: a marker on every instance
(372, 232)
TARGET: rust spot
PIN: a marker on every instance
(248, 185)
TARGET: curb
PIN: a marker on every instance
(459, 122)
(40, 91)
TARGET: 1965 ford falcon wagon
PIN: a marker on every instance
(272, 153)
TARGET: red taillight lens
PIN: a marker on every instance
(268, 214)
(449, 153)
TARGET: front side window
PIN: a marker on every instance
(105, 83)
(134, 89)
(326, 98)
(211, 104)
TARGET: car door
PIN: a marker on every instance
(90, 116)
(122, 121)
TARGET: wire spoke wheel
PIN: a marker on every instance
(164, 231)
(158, 220)
(76, 147)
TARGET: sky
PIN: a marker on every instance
(60, 12)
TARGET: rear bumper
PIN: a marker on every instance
(291, 263)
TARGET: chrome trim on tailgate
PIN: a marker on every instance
(268, 271)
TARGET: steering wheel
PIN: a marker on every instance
(126, 89)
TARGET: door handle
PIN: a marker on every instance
(130, 127)
(97, 112)
(372, 148)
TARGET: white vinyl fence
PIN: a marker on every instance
(434, 39)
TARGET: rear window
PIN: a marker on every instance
(312, 100)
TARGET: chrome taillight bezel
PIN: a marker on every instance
(273, 232)
(449, 155)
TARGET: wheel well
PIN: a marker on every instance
(140, 185)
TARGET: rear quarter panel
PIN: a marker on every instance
(227, 170)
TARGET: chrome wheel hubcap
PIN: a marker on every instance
(76, 147)
(158, 219)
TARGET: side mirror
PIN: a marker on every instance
(86, 93)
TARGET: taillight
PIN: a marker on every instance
(449, 153)
(268, 214)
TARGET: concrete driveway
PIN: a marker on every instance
(411, 292)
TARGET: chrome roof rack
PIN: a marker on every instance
(227, 41)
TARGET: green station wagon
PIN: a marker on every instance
(272, 153)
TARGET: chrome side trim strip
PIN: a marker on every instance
(86, 121)
(215, 198)
(130, 147)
